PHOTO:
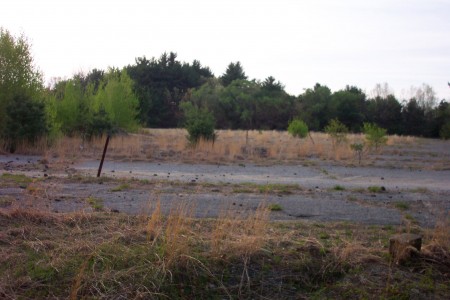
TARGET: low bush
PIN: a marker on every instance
(375, 135)
(199, 123)
(298, 128)
(337, 131)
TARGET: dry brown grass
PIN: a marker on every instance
(230, 146)
(239, 234)
(438, 246)
(403, 140)
(101, 255)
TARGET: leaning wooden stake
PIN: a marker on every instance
(103, 156)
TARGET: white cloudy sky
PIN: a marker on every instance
(358, 42)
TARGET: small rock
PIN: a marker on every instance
(114, 210)
(382, 178)
(112, 171)
(45, 175)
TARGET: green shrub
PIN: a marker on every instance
(376, 189)
(100, 124)
(25, 121)
(199, 123)
(444, 133)
(375, 135)
(298, 128)
(358, 149)
(337, 131)
(338, 188)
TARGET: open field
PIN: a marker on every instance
(261, 147)
(265, 217)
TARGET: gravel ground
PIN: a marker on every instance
(424, 193)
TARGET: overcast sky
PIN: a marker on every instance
(300, 42)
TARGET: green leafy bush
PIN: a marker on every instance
(25, 121)
(298, 128)
(199, 123)
(444, 133)
(337, 131)
(375, 135)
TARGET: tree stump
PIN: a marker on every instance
(403, 247)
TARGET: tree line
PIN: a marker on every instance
(162, 92)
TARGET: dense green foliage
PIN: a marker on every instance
(150, 91)
(21, 90)
(298, 128)
(199, 123)
(95, 104)
(25, 121)
(161, 84)
(233, 72)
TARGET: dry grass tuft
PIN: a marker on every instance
(439, 246)
(355, 253)
(235, 234)
(30, 215)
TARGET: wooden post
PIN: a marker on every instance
(103, 156)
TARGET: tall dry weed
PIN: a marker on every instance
(171, 234)
(237, 234)
(438, 246)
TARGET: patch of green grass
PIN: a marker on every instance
(338, 188)
(324, 236)
(278, 188)
(95, 203)
(421, 190)
(242, 191)
(402, 205)
(18, 179)
(388, 227)
(410, 218)
(275, 207)
(376, 189)
(119, 188)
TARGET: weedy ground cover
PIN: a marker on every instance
(229, 146)
(103, 255)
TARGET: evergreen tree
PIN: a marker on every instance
(233, 72)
